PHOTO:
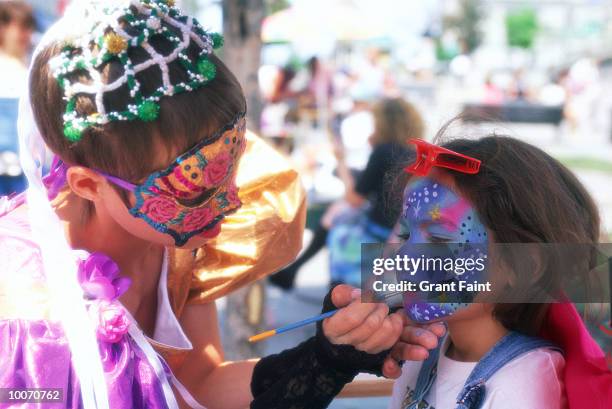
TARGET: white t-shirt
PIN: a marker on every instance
(14, 76)
(531, 381)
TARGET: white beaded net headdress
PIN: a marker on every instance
(118, 32)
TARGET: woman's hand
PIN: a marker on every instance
(367, 326)
(414, 344)
(370, 328)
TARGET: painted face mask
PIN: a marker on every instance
(192, 195)
(438, 224)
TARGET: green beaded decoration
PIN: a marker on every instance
(217, 40)
(72, 133)
(114, 32)
(148, 111)
(207, 68)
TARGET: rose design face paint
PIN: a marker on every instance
(192, 196)
(437, 223)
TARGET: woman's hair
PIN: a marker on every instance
(395, 121)
(523, 195)
(130, 149)
(16, 11)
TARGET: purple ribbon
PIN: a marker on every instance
(99, 277)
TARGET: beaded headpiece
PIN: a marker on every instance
(115, 31)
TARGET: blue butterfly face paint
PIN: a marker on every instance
(438, 223)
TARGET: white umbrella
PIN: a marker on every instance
(318, 20)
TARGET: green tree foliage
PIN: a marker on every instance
(273, 6)
(521, 28)
(467, 24)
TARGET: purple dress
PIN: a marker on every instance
(34, 352)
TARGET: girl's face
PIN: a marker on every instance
(183, 204)
(435, 213)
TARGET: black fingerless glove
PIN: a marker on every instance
(346, 357)
(310, 375)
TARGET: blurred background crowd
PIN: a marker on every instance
(339, 85)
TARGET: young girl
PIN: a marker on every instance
(496, 355)
(109, 269)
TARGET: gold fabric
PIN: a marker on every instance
(263, 236)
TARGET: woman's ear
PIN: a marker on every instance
(85, 182)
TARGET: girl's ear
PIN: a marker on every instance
(85, 182)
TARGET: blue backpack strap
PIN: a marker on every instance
(426, 378)
(508, 348)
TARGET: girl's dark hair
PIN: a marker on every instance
(129, 149)
(523, 195)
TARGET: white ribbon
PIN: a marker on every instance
(151, 355)
(59, 263)
(155, 361)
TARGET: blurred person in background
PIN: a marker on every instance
(279, 115)
(17, 25)
(493, 95)
(370, 76)
(585, 92)
(519, 90)
(367, 213)
(320, 87)
(282, 90)
(316, 98)
(554, 93)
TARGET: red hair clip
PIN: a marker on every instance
(429, 155)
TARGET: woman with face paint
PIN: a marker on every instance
(462, 198)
